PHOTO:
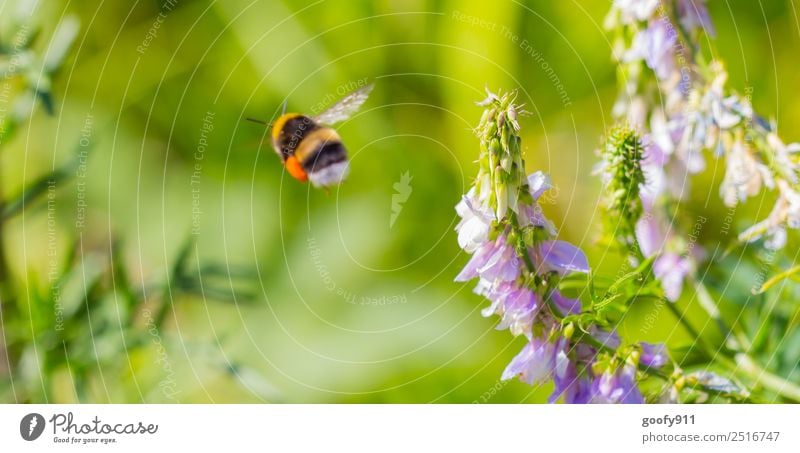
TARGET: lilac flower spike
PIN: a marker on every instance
(519, 262)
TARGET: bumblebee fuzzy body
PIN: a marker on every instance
(310, 149)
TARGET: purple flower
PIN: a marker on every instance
(532, 215)
(662, 172)
(517, 306)
(655, 45)
(617, 387)
(649, 236)
(671, 269)
(653, 355)
(536, 363)
(495, 292)
(565, 305)
(477, 261)
(538, 183)
(574, 389)
(561, 257)
(519, 310)
(607, 339)
(693, 14)
(492, 261)
(503, 263)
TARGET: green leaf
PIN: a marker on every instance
(34, 191)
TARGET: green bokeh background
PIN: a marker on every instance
(349, 307)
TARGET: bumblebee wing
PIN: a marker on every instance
(347, 106)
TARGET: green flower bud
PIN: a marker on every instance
(501, 192)
(622, 169)
(506, 163)
(569, 330)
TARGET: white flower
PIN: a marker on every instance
(730, 111)
(473, 230)
(783, 155)
(744, 175)
(786, 212)
(633, 10)
(792, 205)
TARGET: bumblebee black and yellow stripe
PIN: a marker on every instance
(277, 126)
(315, 139)
(319, 149)
(289, 131)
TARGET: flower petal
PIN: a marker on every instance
(538, 183)
(563, 257)
(653, 355)
(649, 236)
(671, 269)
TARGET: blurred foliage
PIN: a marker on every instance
(344, 305)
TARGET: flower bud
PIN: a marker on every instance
(501, 192)
(506, 162)
(568, 331)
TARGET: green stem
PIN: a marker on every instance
(766, 379)
(682, 319)
(709, 351)
(744, 364)
(734, 337)
(777, 278)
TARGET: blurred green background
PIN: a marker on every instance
(340, 304)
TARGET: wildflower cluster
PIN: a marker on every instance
(679, 103)
(520, 264)
(685, 107)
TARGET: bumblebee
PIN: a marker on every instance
(309, 148)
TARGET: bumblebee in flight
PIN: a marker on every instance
(309, 148)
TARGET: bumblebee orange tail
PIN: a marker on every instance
(296, 169)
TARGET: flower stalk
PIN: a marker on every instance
(520, 265)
